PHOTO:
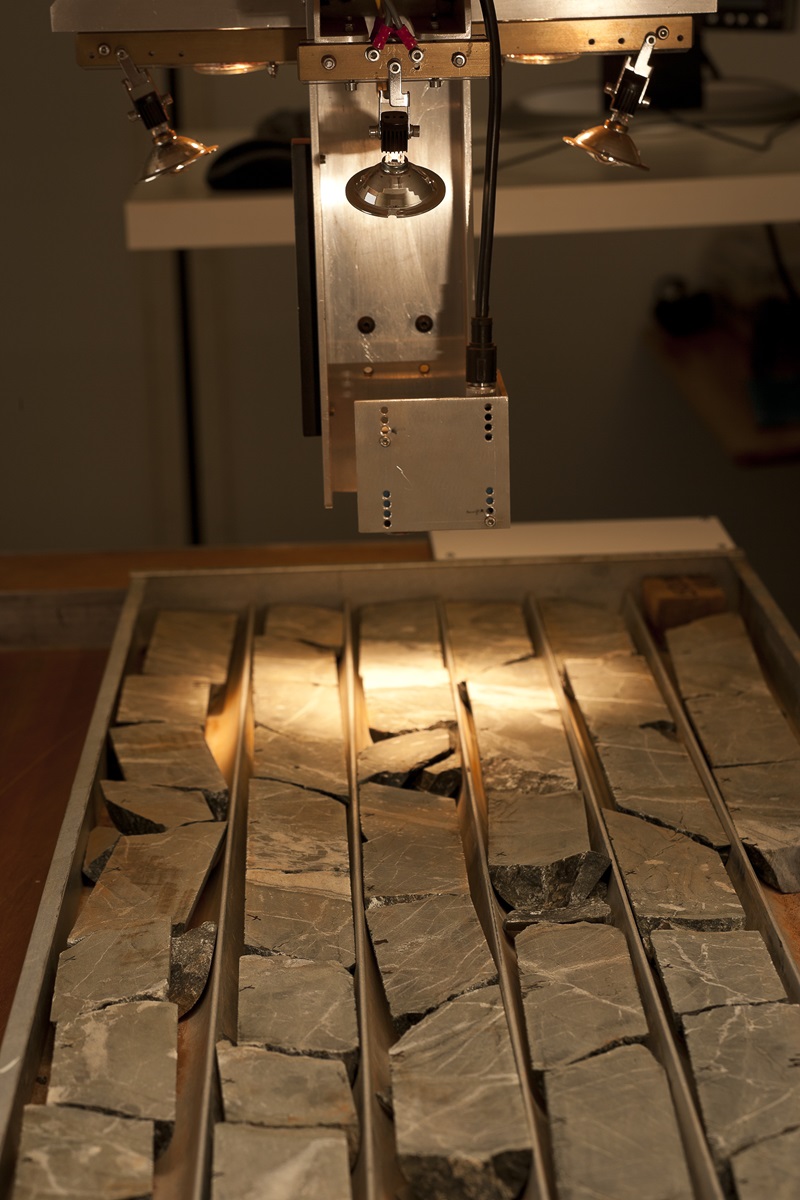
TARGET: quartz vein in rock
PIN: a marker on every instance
(176, 699)
(671, 879)
(191, 643)
(746, 1064)
(459, 1118)
(298, 1007)
(71, 1153)
(285, 1091)
(428, 951)
(121, 1060)
(319, 765)
(294, 831)
(394, 760)
(521, 739)
(110, 966)
(594, 910)
(539, 851)
(306, 623)
(303, 917)
(706, 970)
(113, 903)
(140, 808)
(172, 756)
(282, 1164)
(769, 1168)
(305, 710)
(412, 847)
(578, 992)
(614, 1131)
(764, 801)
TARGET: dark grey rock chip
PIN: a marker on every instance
(294, 831)
(172, 756)
(71, 1154)
(176, 699)
(522, 744)
(318, 765)
(303, 917)
(392, 710)
(707, 970)
(428, 951)
(100, 843)
(121, 1060)
(443, 778)
(298, 1007)
(671, 879)
(312, 623)
(286, 1091)
(745, 1060)
(539, 852)
(191, 643)
(459, 1118)
(579, 993)
(614, 1130)
(413, 846)
(192, 956)
(395, 760)
(769, 1168)
(764, 801)
(140, 808)
(112, 966)
(595, 910)
(282, 1164)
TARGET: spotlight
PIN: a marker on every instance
(395, 187)
(611, 143)
(171, 152)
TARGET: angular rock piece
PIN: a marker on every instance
(298, 1007)
(192, 956)
(70, 1153)
(413, 845)
(295, 831)
(318, 765)
(715, 655)
(312, 919)
(306, 623)
(443, 778)
(278, 660)
(428, 951)
(485, 635)
(707, 970)
(176, 699)
(191, 643)
(578, 992)
(138, 808)
(539, 852)
(740, 730)
(459, 1119)
(671, 600)
(120, 1060)
(304, 710)
(415, 621)
(763, 801)
(111, 966)
(672, 880)
(286, 1091)
(113, 904)
(396, 710)
(595, 910)
(401, 665)
(579, 629)
(522, 744)
(616, 694)
(768, 1169)
(744, 1059)
(99, 845)
(614, 1129)
(395, 760)
(171, 756)
(284, 1164)
(171, 868)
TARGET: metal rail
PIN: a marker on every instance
(592, 782)
(758, 913)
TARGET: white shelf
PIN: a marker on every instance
(694, 181)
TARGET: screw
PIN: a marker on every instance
(435, 82)
(662, 32)
(416, 55)
(366, 324)
(489, 522)
(459, 59)
(372, 54)
(385, 441)
(351, 85)
(272, 69)
(424, 323)
(394, 66)
(104, 49)
(328, 62)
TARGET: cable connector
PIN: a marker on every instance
(482, 354)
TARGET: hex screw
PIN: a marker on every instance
(366, 324)
(424, 323)
(394, 67)
(104, 49)
(489, 522)
(416, 55)
(328, 62)
(662, 33)
(372, 54)
(384, 440)
(459, 59)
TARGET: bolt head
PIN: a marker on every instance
(489, 522)
(372, 54)
(104, 50)
(385, 441)
(328, 62)
(459, 59)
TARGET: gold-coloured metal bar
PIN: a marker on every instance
(190, 48)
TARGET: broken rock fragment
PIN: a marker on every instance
(521, 739)
(764, 801)
(138, 808)
(191, 643)
(298, 1007)
(173, 756)
(279, 660)
(307, 710)
(175, 699)
(101, 841)
(395, 760)
(192, 956)
(768, 1168)
(428, 951)
(392, 711)
(459, 1117)
(708, 970)
(111, 966)
(595, 910)
(310, 917)
(283, 1164)
(294, 831)
(580, 629)
(413, 845)
(306, 623)
(318, 765)
(71, 1153)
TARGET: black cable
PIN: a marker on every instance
(780, 265)
(483, 278)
